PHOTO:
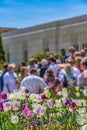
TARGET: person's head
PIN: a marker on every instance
(85, 79)
(24, 72)
(78, 61)
(52, 59)
(39, 65)
(85, 49)
(83, 53)
(47, 54)
(58, 61)
(35, 61)
(31, 61)
(23, 63)
(11, 68)
(70, 61)
(5, 66)
(49, 73)
(72, 50)
(63, 51)
(84, 63)
(77, 53)
(67, 68)
(33, 71)
(44, 62)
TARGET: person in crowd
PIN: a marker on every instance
(85, 79)
(77, 54)
(83, 53)
(32, 64)
(20, 65)
(80, 80)
(71, 61)
(59, 65)
(64, 55)
(57, 85)
(5, 66)
(34, 83)
(0, 79)
(58, 61)
(39, 68)
(85, 49)
(49, 78)
(10, 80)
(72, 52)
(0, 72)
(24, 73)
(53, 66)
(36, 63)
(43, 68)
(68, 78)
(47, 55)
(78, 64)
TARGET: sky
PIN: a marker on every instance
(26, 13)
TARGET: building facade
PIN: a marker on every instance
(23, 43)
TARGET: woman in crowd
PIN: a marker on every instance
(24, 73)
(78, 64)
(44, 67)
(49, 78)
(80, 80)
(85, 80)
(10, 80)
(39, 68)
(68, 78)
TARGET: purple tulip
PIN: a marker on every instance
(43, 97)
(73, 105)
(24, 105)
(26, 111)
(50, 103)
(1, 106)
(4, 96)
(57, 90)
(67, 102)
(26, 91)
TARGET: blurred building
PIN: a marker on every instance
(2, 29)
(21, 44)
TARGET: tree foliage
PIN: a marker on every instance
(2, 51)
(39, 56)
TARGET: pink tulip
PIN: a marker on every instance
(26, 111)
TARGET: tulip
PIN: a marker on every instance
(14, 119)
(43, 97)
(1, 106)
(4, 96)
(26, 112)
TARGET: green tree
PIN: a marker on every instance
(2, 51)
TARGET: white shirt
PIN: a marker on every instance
(75, 71)
(33, 83)
(70, 78)
(61, 74)
(80, 81)
(54, 68)
(34, 66)
(10, 79)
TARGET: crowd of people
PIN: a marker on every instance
(68, 71)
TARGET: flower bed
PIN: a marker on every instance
(64, 109)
